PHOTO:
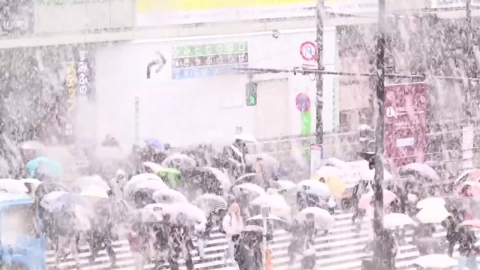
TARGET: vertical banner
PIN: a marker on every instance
(306, 120)
(405, 138)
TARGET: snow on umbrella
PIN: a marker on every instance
(190, 211)
(246, 138)
(431, 202)
(369, 175)
(210, 202)
(323, 219)
(146, 215)
(270, 217)
(432, 216)
(329, 171)
(335, 162)
(32, 145)
(247, 178)
(221, 177)
(286, 185)
(91, 181)
(253, 228)
(139, 178)
(275, 202)
(469, 175)
(57, 200)
(421, 169)
(179, 161)
(438, 261)
(12, 186)
(314, 188)
(394, 220)
(148, 185)
(45, 166)
(249, 187)
(152, 166)
(169, 196)
(366, 199)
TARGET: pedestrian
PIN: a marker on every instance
(138, 242)
(468, 252)
(232, 224)
(302, 238)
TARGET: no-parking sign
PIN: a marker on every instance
(308, 51)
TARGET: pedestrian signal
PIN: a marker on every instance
(251, 94)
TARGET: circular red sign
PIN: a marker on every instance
(303, 102)
(308, 51)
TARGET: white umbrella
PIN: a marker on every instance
(191, 212)
(248, 177)
(439, 261)
(335, 162)
(253, 228)
(91, 181)
(12, 186)
(251, 188)
(394, 220)
(330, 171)
(433, 216)
(154, 167)
(210, 202)
(32, 145)
(221, 177)
(286, 185)
(179, 160)
(138, 178)
(323, 219)
(275, 202)
(422, 169)
(270, 217)
(246, 138)
(431, 202)
(369, 175)
(169, 196)
(314, 187)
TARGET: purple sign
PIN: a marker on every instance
(303, 102)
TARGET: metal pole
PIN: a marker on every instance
(468, 133)
(318, 78)
(383, 258)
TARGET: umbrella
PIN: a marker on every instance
(394, 220)
(32, 145)
(469, 175)
(221, 177)
(190, 211)
(247, 178)
(251, 188)
(270, 163)
(333, 177)
(431, 202)
(91, 181)
(276, 203)
(154, 143)
(45, 166)
(474, 187)
(421, 169)
(270, 217)
(369, 175)
(179, 161)
(210, 202)
(436, 215)
(139, 178)
(169, 196)
(12, 186)
(323, 219)
(95, 192)
(335, 162)
(439, 261)
(366, 199)
(152, 166)
(246, 138)
(147, 215)
(475, 223)
(314, 187)
(253, 228)
(55, 201)
(286, 185)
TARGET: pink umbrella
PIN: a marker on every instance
(366, 199)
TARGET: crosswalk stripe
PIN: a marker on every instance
(341, 249)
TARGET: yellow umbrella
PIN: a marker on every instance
(333, 178)
(96, 193)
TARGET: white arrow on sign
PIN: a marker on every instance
(390, 112)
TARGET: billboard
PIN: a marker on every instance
(405, 138)
(160, 12)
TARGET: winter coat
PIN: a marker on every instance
(232, 226)
(466, 241)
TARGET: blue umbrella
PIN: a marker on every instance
(45, 166)
(155, 143)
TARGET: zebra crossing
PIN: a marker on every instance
(341, 249)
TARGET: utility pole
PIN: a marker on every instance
(318, 78)
(468, 133)
(382, 256)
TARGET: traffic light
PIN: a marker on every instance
(251, 91)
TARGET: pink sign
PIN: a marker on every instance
(405, 138)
